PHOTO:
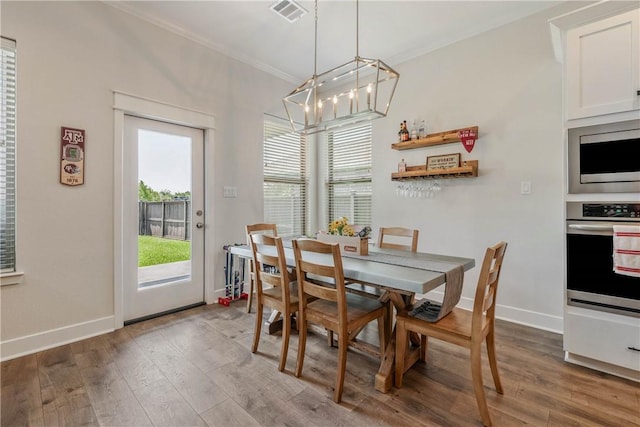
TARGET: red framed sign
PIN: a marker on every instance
(468, 138)
(72, 156)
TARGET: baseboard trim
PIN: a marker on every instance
(534, 319)
(29, 344)
(608, 368)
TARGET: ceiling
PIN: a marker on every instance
(394, 31)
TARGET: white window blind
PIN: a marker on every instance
(7, 156)
(285, 178)
(350, 174)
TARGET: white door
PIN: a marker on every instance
(163, 230)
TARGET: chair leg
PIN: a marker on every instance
(401, 349)
(250, 295)
(286, 333)
(343, 344)
(476, 375)
(329, 337)
(493, 363)
(424, 342)
(258, 328)
(302, 342)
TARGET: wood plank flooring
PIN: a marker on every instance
(195, 368)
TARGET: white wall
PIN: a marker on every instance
(71, 56)
(506, 82)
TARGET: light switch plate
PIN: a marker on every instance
(525, 187)
(229, 192)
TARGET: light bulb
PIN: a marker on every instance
(351, 101)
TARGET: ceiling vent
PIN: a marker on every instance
(288, 9)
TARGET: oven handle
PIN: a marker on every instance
(590, 227)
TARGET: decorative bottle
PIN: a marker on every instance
(422, 130)
(402, 166)
(405, 131)
(414, 130)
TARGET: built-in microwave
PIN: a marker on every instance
(604, 158)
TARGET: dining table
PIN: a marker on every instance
(398, 275)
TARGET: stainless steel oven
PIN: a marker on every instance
(591, 281)
(604, 158)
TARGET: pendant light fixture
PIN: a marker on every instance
(357, 91)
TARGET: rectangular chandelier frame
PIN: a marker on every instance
(356, 91)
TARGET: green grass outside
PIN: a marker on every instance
(155, 250)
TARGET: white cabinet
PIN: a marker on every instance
(603, 66)
(592, 337)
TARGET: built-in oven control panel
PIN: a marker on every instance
(611, 210)
(605, 211)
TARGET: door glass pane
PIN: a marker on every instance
(164, 208)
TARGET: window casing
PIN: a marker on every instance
(285, 178)
(349, 174)
(8, 156)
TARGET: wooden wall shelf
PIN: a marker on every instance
(470, 169)
(446, 137)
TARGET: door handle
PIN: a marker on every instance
(199, 225)
(591, 227)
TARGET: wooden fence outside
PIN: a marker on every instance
(170, 219)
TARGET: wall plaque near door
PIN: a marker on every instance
(72, 156)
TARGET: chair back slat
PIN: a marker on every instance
(317, 278)
(262, 258)
(398, 235)
(489, 299)
(320, 291)
(487, 288)
(318, 269)
(270, 263)
(270, 279)
(269, 229)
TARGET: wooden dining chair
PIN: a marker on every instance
(397, 238)
(320, 275)
(273, 288)
(462, 327)
(269, 229)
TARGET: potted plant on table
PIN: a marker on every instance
(352, 239)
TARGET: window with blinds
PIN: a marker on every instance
(7, 156)
(350, 174)
(285, 178)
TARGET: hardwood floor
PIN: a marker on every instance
(195, 368)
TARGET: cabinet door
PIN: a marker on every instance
(612, 339)
(603, 66)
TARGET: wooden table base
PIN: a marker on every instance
(384, 377)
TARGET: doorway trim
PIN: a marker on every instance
(124, 103)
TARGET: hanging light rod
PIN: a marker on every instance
(356, 91)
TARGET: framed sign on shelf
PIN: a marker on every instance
(445, 161)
